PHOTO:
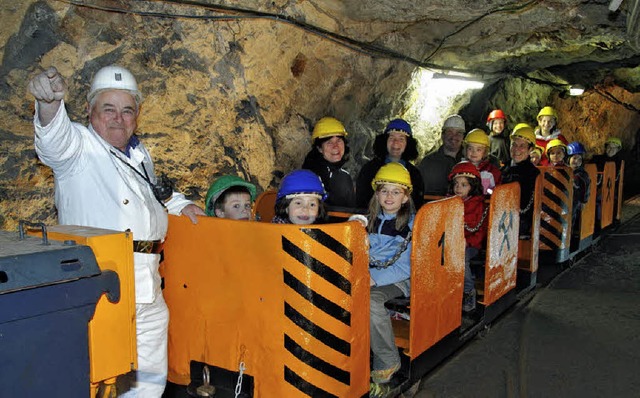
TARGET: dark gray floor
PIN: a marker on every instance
(577, 337)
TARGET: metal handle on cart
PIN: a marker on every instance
(41, 225)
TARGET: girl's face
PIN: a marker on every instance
(461, 186)
(332, 150)
(556, 154)
(546, 124)
(535, 157)
(575, 161)
(497, 126)
(303, 209)
(237, 206)
(391, 197)
(475, 153)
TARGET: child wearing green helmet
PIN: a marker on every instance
(230, 197)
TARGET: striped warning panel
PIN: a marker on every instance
(318, 303)
(555, 220)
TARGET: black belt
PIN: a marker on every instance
(148, 246)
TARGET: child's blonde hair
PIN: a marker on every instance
(402, 217)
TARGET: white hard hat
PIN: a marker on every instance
(114, 77)
(454, 122)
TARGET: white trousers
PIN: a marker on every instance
(152, 325)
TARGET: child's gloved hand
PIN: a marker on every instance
(359, 217)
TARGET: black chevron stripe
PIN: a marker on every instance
(562, 204)
(561, 186)
(317, 363)
(324, 271)
(326, 337)
(549, 228)
(319, 301)
(330, 242)
(301, 384)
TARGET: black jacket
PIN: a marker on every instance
(337, 181)
(525, 173)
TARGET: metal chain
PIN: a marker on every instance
(238, 390)
(526, 209)
(477, 227)
(378, 264)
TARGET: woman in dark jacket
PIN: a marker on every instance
(396, 144)
(327, 157)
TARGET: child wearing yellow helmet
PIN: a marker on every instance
(547, 130)
(536, 154)
(476, 151)
(391, 215)
(556, 152)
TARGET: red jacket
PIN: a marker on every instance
(474, 209)
(490, 174)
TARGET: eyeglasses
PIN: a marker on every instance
(393, 192)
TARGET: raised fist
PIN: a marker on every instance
(48, 86)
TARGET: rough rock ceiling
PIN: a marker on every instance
(578, 41)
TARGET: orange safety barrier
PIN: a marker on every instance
(557, 204)
(112, 331)
(619, 192)
(502, 242)
(588, 211)
(528, 249)
(607, 194)
(289, 302)
(437, 276)
(263, 208)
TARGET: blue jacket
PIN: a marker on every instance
(383, 245)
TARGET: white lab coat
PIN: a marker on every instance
(94, 187)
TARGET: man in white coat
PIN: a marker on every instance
(104, 178)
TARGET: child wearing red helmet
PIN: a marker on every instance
(464, 181)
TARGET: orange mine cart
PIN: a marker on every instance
(264, 208)
(528, 249)
(557, 204)
(608, 194)
(588, 212)
(112, 331)
(437, 275)
(283, 306)
(501, 260)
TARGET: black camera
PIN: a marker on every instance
(163, 188)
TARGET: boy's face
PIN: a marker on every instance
(303, 209)
(535, 157)
(332, 150)
(461, 187)
(546, 124)
(497, 126)
(237, 206)
(575, 161)
(475, 153)
(391, 197)
(556, 154)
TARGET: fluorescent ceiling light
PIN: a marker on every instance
(576, 90)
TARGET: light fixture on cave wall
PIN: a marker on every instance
(436, 95)
(576, 90)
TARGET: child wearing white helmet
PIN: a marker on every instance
(391, 215)
(300, 199)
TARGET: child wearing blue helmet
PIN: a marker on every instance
(581, 180)
(300, 199)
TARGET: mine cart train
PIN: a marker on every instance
(279, 310)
